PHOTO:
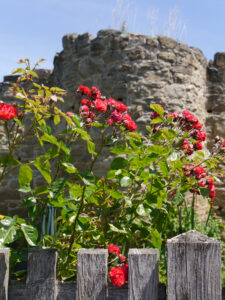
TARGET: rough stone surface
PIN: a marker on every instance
(137, 70)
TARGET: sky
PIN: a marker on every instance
(34, 28)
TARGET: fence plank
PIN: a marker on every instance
(4, 273)
(194, 267)
(41, 274)
(143, 274)
(92, 274)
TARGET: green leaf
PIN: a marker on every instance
(142, 211)
(116, 194)
(43, 167)
(121, 149)
(8, 160)
(157, 108)
(69, 168)
(32, 73)
(156, 239)
(119, 163)
(178, 198)
(8, 221)
(30, 234)
(41, 190)
(204, 192)
(125, 181)
(115, 229)
(50, 139)
(66, 149)
(157, 120)
(173, 156)
(25, 175)
(91, 147)
(88, 178)
(164, 168)
(19, 70)
(158, 149)
(7, 236)
(56, 119)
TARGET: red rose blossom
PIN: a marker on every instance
(130, 125)
(7, 111)
(121, 107)
(114, 249)
(117, 276)
(110, 122)
(95, 93)
(198, 146)
(123, 258)
(69, 114)
(116, 116)
(101, 105)
(84, 90)
(125, 269)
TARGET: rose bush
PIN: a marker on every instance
(140, 202)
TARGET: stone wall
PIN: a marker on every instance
(137, 70)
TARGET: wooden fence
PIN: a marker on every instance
(194, 273)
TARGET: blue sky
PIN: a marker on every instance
(34, 29)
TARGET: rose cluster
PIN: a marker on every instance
(200, 174)
(7, 111)
(188, 123)
(119, 273)
(94, 104)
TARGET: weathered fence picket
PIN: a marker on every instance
(4, 273)
(194, 273)
(41, 274)
(143, 274)
(194, 267)
(92, 273)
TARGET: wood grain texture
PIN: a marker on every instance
(4, 273)
(143, 274)
(92, 274)
(194, 267)
(41, 274)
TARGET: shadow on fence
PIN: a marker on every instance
(194, 273)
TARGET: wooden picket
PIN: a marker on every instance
(194, 273)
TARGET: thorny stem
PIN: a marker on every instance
(82, 197)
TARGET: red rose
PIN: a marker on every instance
(84, 90)
(209, 181)
(121, 107)
(69, 114)
(198, 146)
(198, 126)
(95, 93)
(201, 184)
(101, 105)
(200, 172)
(117, 276)
(114, 249)
(126, 117)
(110, 122)
(125, 270)
(84, 108)
(224, 143)
(123, 258)
(112, 102)
(7, 111)
(130, 125)
(187, 147)
(86, 102)
(200, 136)
(116, 116)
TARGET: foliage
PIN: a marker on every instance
(140, 202)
